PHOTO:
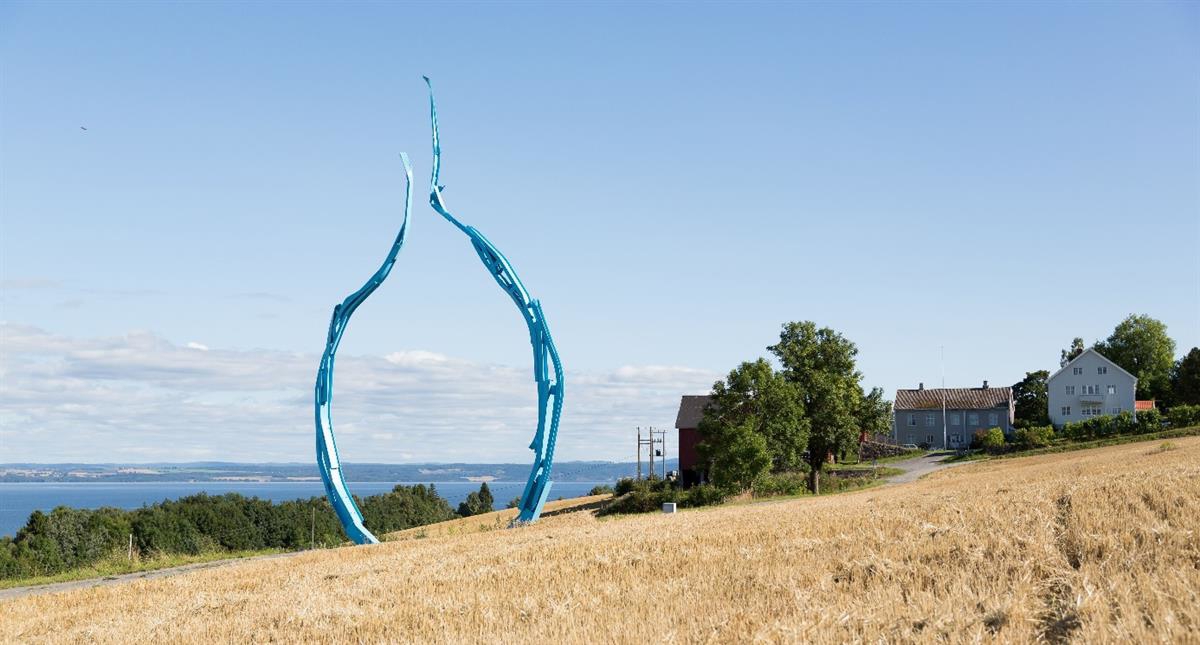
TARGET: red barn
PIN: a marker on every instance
(691, 410)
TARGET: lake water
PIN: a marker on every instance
(18, 500)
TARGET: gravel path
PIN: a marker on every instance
(918, 467)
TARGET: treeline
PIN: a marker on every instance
(68, 538)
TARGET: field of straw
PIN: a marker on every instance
(1090, 546)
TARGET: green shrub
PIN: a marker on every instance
(991, 440)
(1149, 421)
(705, 495)
(1075, 431)
(775, 484)
(1034, 436)
(624, 485)
(648, 496)
(602, 489)
(1183, 416)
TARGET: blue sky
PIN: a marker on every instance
(672, 181)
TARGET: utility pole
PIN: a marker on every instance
(639, 452)
(651, 452)
(664, 454)
(131, 547)
(649, 443)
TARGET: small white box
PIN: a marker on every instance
(668, 507)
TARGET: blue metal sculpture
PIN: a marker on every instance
(545, 356)
(327, 454)
(549, 393)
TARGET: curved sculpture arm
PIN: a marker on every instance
(550, 393)
(327, 455)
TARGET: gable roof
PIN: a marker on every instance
(957, 398)
(691, 410)
(1084, 353)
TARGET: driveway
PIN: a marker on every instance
(918, 467)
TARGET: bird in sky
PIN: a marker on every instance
(83, 128)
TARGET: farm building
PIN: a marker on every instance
(948, 417)
(691, 410)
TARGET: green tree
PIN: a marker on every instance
(1185, 379)
(1141, 346)
(875, 413)
(742, 458)
(477, 502)
(755, 398)
(1071, 352)
(820, 364)
(1031, 399)
(486, 499)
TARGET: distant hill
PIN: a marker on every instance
(569, 471)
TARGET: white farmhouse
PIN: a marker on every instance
(1089, 386)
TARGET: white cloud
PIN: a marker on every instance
(141, 398)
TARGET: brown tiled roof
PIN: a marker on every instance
(691, 410)
(957, 398)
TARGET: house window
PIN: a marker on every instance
(1066, 410)
(1070, 389)
(956, 439)
(1116, 410)
(993, 419)
(955, 419)
(1091, 389)
(973, 419)
(929, 420)
(912, 419)
(929, 439)
(1077, 371)
(1112, 389)
(1102, 370)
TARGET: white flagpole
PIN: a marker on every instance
(945, 442)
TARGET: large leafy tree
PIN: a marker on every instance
(1185, 379)
(819, 362)
(875, 413)
(1031, 399)
(1141, 346)
(738, 456)
(1067, 355)
(753, 408)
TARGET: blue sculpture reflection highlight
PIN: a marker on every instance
(327, 455)
(549, 392)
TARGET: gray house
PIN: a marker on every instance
(1089, 386)
(924, 416)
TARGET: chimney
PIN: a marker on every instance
(920, 386)
(985, 385)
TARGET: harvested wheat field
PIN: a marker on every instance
(1091, 546)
